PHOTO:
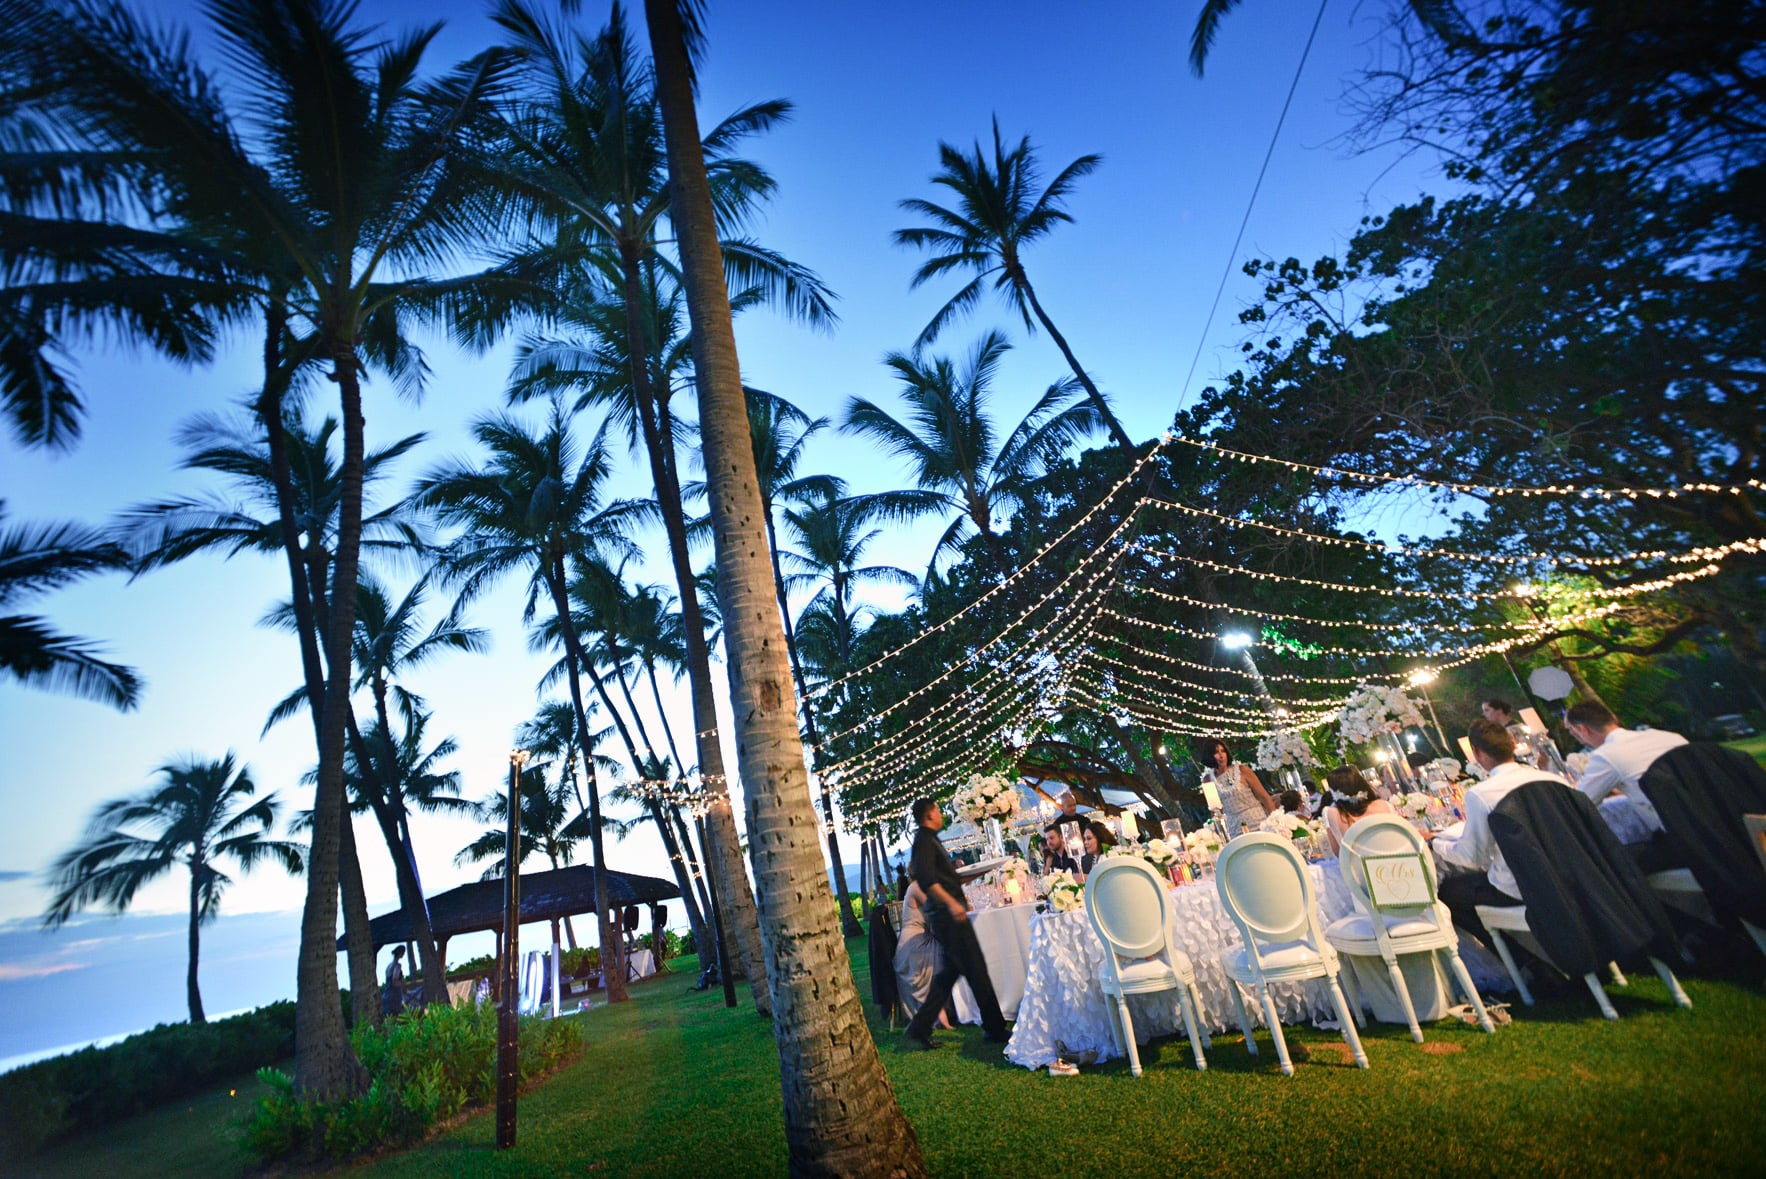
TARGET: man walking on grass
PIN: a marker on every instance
(947, 916)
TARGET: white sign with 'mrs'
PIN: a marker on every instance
(1394, 882)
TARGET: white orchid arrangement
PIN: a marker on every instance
(986, 796)
(1286, 748)
(1371, 710)
(1064, 892)
(1203, 841)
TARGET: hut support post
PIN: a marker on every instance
(556, 956)
(508, 1025)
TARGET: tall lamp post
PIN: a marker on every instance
(1240, 641)
(1420, 679)
(508, 1016)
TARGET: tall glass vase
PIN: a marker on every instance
(1402, 776)
(996, 839)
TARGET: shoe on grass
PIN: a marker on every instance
(913, 1043)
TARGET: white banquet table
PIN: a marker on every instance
(1004, 934)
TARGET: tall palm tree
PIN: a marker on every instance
(1442, 18)
(547, 826)
(950, 441)
(534, 506)
(342, 188)
(39, 557)
(998, 212)
(201, 814)
(841, 1116)
(587, 153)
(829, 535)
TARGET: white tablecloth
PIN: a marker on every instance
(1062, 999)
(640, 964)
(1004, 934)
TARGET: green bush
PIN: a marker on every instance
(674, 945)
(42, 1102)
(575, 959)
(483, 964)
(423, 1067)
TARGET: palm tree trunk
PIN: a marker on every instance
(193, 993)
(325, 1066)
(404, 854)
(678, 862)
(612, 960)
(358, 936)
(848, 925)
(668, 732)
(695, 866)
(1091, 391)
(841, 1116)
(741, 923)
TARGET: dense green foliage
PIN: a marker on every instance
(100, 1086)
(423, 1068)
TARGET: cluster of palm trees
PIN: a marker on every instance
(554, 188)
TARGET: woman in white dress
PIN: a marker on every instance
(1244, 803)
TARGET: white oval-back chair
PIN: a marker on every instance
(1126, 902)
(1397, 911)
(1265, 889)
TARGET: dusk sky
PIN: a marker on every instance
(876, 86)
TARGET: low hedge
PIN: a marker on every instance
(423, 1068)
(42, 1102)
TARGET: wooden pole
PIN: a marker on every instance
(508, 1022)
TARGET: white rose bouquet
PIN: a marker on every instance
(1063, 891)
(1203, 842)
(1159, 854)
(1413, 806)
(985, 797)
(1293, 826)
(1286, 748)
(1015, 870)
(1372, 710)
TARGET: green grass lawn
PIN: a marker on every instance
(674, 1084)
(1754, 746)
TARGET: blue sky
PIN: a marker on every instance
(876, 87)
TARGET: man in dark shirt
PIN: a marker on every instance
(947, 914)
(1056, 858)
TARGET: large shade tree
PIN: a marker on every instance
(201, 816)
(841, 1116)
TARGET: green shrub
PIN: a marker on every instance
(674, 945)
(574, 960)
(483, 964)
(423, 1067)
(42, 1102)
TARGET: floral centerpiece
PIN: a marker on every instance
(1295, 827)
(1287, 748)
(1203, 843)
(1372, 710)
(1159, 854)
(1014, 878)
(1063, 891)
(1414, 805)
(986, 796)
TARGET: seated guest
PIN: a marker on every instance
(1055, 856)
(1617, 760)
(1349, 799)
(1069, 809)
(1098, 840)
(1292, 802)
(1491, 882)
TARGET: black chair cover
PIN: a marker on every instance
(1701, 793)
(881, 948)
(1586, 901)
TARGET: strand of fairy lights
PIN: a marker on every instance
(969, 758)
(1337, 623)
(1703, 553)
(1271, 677)
(1215, 689)
(1185, 690)
(1118, 680)
(1479, 489)
(1165, 724)
(1087, 678)
(1547, 591)
(1108, 546)
(1005, 584)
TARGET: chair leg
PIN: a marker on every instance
(1619, 979)
(1134, 1053)
(1184, 1005)
(1403, 990)
(1350, 1035)
(1201, 1015)
(1352, 989)
(1672, 983)
(1244, 1017)
(1508, 962)
(1275, 1030)
(1758, 934)
(1464, 978)
(1116, 1003)
(1600, 995)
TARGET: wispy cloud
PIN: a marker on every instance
(9, 973)
(6, 876)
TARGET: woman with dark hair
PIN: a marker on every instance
(1098, 840)
(1244, 803)
(1350, 800)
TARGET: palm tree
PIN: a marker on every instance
(587, 155)
(841, 1116)
(1442, 18)
(535, 506)
(829, 535)
(954, 448)
(343, 190)
(40, 557)
(998, 213)
(201, 814)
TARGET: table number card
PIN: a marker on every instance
(1396, 882)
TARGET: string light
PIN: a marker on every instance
(1705, 553)
(1185, 600)
(1477, 489)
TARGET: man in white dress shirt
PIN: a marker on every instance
(1490, 881)
(1617, 760)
